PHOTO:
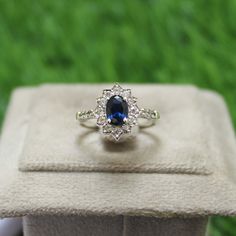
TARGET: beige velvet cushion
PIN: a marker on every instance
(143, 194)
(181, 142)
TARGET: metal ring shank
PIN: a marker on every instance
(87, 118)
(146, 118)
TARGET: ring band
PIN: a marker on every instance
(117, 114)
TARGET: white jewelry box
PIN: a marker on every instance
(192, 175)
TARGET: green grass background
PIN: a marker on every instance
(162, 41)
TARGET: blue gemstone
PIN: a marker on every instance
(117, 110)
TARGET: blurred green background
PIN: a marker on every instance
(162, 41)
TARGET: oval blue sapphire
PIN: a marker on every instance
(116, 110)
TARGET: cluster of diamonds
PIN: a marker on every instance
(100, 112)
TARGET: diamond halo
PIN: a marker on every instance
(133, 112)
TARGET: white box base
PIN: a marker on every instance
(112, 226)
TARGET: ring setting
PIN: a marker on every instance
(117, 114)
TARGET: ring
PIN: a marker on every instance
(118, 115)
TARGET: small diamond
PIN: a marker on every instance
(116, 133)
(117, 89)
(155, 115)
(132, 100)
(101, 120)
(132, 120)
(101, 101)
(85, 115)
(134, 110)
(98, 110)
(117, 86)
(107, 129)
(126, 128)
(126, 93)
(147, 113)
(107, 93)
